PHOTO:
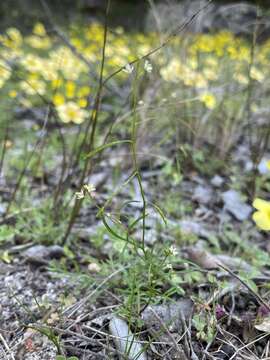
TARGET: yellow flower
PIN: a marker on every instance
(39, 29)
(33, 86)
(256, 74)
(70, 89)
(56, 83)
(209, 100)
(12, 93)
(4, 73)
(262, 216)
(32, 63)
(268, 164)
(210, 74)
(241, 78)
(58, 99)
(15, 36)
(84, 91)
(71, 112)
(77, 43)
(211, 61)
(38, 42)
(82, 102)
(193, 63)
(171, 71)
(199, 81)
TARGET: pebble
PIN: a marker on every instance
(217, 181)
(234, 204)
(125, 341)
(203, 194)
(40, 254)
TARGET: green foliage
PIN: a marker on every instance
(150, 279)
(205, 160)
(205, 325)
(172, 172)
(176, 206)
(6, 233)
(50, 334)
(39, 224)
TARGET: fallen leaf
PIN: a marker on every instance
(264, 326)
(125, 341)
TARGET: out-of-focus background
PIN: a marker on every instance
(128, 13)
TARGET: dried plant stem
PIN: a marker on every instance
(4, 147)
(257, 296)
(92, 124)
(7, 347)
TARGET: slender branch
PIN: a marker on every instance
(92, 121)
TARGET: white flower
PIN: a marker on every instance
(79, 195)
(173, 250)
(148, 66)
(90, 189)
(87, 188)
(128, 68)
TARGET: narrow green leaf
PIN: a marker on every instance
(103, 147)
(161, 213)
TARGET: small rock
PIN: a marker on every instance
(201, 257)
(217, 181)
(94, 268)
(203, 194)
(234, 262)
(87, 232)
(248, 166)
(263, 166)
(151, 237)
(125, 341)
(193, 227)
(99, 320)
(234, 204)
(170, 313)
(2, 209)
(98, 179)
(206, 260)
(40, 254)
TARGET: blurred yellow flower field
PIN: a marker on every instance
(199, 64)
